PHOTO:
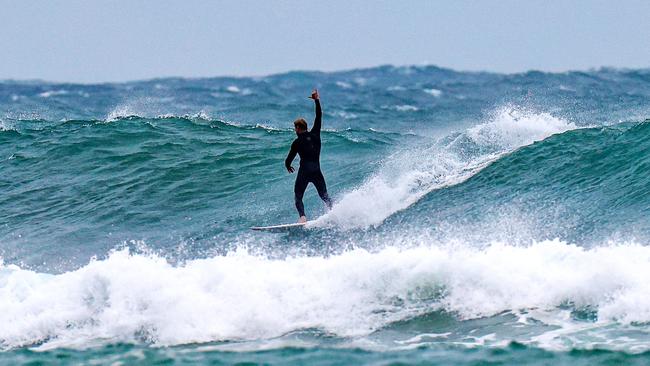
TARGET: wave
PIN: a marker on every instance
(581, 160)
(596, 95)
(409, 174)
(586, 185)
(4, 126)
(200, 118)
(518, 225)
(241, 296)
(550, 182)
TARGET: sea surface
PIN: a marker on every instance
(479, 218)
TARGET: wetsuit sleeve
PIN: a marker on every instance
(319, 117)
(292, 155)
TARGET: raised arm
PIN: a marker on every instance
(319, 112)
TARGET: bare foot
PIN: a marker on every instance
(302, 219)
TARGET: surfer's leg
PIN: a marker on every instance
(321, 187)
(299, 191)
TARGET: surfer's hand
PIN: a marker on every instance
(290, 169)
(314, 94)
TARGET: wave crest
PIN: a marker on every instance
(409, 174)
(241, 296)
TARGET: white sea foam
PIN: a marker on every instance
(121, 111)
(435, 92)
(401, 107)
(234, 89)
(409, 174)
(245, 297)
(7, 125)
(343, 85)
(50, 93)
(566, 88)
(406, 108)
(148, 107)
(200, 115)
(512, 128)
(345, 115)
(360, 81)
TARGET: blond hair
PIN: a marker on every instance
(301, 124)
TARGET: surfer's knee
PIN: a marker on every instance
(326, 198)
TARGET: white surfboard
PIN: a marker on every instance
(281, 228)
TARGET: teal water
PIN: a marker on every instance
(478, 218)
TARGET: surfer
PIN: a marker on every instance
(307, 145)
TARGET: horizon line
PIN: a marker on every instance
(338, 71)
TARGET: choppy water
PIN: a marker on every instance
(478, 217)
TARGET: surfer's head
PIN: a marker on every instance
(300, 125)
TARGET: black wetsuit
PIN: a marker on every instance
(307, 145)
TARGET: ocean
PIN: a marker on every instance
(479, 218)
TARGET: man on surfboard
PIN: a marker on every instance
(307, 145)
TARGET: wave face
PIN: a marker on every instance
(473, 212)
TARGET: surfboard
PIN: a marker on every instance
(281, 228)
